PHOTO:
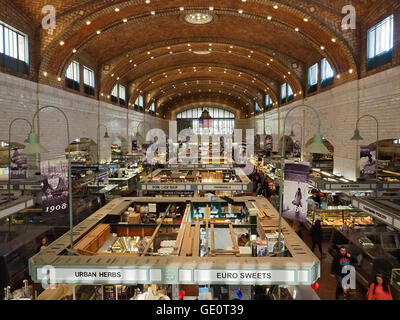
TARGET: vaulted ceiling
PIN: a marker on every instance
(249, 48)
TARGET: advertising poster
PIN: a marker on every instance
(18, 164)
(297, 149)
(268, 145)
(134, 145)
(296, 190)
(54, 175)
(367, 162)
(145, 146)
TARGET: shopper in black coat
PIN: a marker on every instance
(316, 236)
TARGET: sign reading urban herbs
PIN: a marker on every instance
(18, 164)
(54, 186)
(296, 190)
(367, 162)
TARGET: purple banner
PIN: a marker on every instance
(367, 162)
(54, 186)
(295, 190)
(18, 164)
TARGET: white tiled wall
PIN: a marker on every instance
(379, 95)
(19, 98)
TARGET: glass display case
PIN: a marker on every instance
(336, 216)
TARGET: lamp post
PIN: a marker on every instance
(106, 136)
(358, 137)
(316, 147)
(34, 147)
(9, 152)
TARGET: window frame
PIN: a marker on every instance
(384, 57)
(313, 72)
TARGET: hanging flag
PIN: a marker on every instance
(368, 162)
(295, 190)
(134, 145)
(268, 144)
(19, 164)
(296, 149)
(54, 175)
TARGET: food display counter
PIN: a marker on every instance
(196, 180)
(336, 216)
(139, 242)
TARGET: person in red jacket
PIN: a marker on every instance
(379, 289)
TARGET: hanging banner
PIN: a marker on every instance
(134, 145)
(367, 162)
(145, 146)
(296, 190)
(19, 164)
(296, 149)
(54, 186)
(268, 144)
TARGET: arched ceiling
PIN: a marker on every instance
(249, 49)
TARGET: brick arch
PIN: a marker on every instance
(50, 53)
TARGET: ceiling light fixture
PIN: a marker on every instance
(199, 18)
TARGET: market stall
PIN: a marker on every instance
(189, 181)
(140, 242)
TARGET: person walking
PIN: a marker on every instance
(379, 289)
(316, 237)
(341, 261)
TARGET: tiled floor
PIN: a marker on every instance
(327, 284)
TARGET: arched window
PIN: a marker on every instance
(152, 108)
(118, 95)
(72, 76)
(268, 101)
(139, 102)
(221, 122)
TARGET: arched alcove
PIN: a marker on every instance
(83, 150)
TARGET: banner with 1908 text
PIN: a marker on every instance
(54, 175)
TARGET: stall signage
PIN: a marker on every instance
(350, 186)
(246, 276)
(222, 187)
(396, 224)
(165, 187)
(106, 276)
(376, 213)
(77, 275)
